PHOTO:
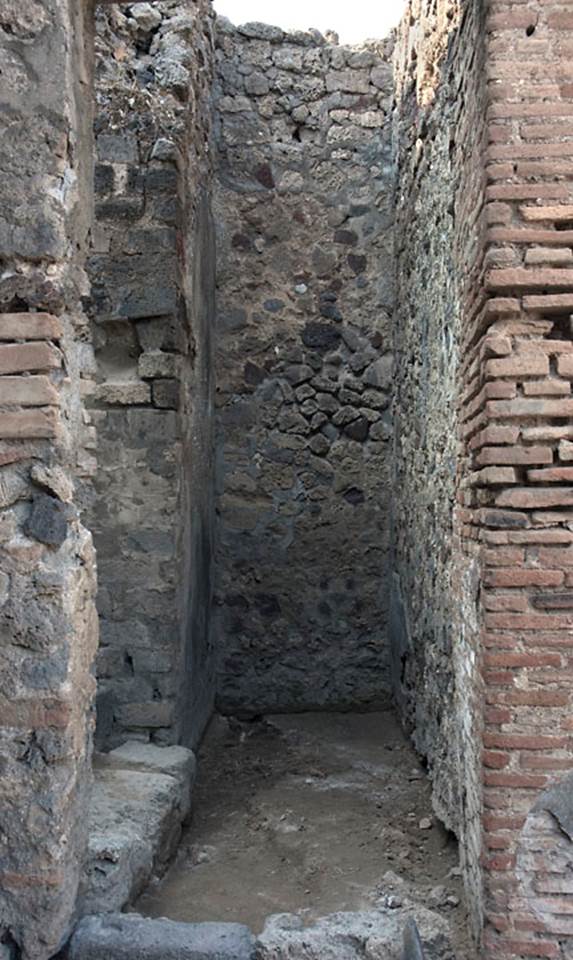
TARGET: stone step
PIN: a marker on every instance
(131, 937)
(140, 798)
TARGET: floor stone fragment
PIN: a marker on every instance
(369, 935)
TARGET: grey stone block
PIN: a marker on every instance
(150, 240)
(48, 520)
(161, 179)
(103, 179)
(139, 302)
(146, 427)
(379, 373)
(155, 363)
(117, 148)
(135, 823)
(177, 762)
(164, 149)
(120, 209)
(261, 31)
(146, 714)
(166, 394)
(123, 393)
(131, 937)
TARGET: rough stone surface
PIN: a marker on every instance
(438, 127)
(48, 627)
(304, 209)
(121, 937)
(372, 935)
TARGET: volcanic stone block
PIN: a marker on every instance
(124, 394)
(117, 148)
(126, 936)
(135, 824)
(48, 520)
(158, 364)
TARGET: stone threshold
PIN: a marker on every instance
(140, 798)
(371, 935)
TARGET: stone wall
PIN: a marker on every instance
(152, 306)
(439, 130)
(476, 344)
(48, 627)
(304, 209)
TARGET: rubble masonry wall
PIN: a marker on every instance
(152, 305)
(48, 624)
(305, 292)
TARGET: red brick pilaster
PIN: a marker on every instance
(518, 498)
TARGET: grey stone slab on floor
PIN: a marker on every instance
(131, 937)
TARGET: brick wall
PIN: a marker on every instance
(520, 354)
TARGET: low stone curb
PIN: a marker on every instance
(131, 937)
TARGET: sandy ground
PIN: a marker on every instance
(311, 812)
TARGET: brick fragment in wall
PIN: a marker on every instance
(53, 479)
(16, 358)
(29, 326)
(28, 391)
(27, 425)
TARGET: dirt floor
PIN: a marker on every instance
(311, 812)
